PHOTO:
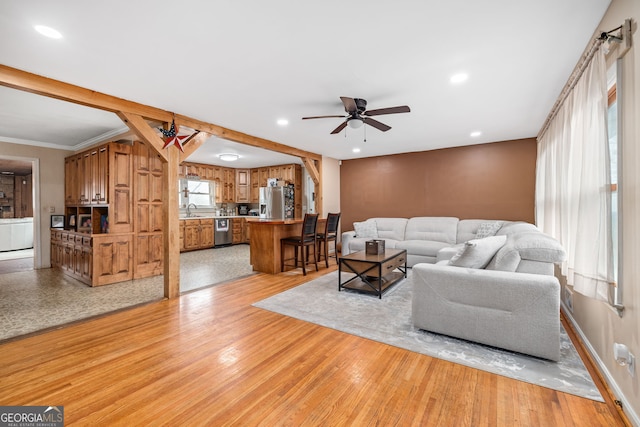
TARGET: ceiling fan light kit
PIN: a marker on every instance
(357, 114)
(354, 123)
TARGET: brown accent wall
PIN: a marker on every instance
(486, 181)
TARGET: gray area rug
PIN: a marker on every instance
(389, 321)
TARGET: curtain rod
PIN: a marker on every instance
(585, 59)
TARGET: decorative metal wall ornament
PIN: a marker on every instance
(171, 137)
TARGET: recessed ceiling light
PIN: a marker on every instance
(475, 134)
(283, 122)
(48, 31)
(459, 78)
(356, 150)
(228, 157)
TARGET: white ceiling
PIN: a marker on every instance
(245, 64)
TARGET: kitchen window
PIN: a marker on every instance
(199, 192)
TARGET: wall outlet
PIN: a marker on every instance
(568, 299)
(52, 209)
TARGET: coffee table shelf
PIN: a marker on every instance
(374, 274)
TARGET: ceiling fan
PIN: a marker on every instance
(357, 114)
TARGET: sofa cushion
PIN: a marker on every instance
(421, 247)
(516, 227)
(436, 229)
(538, 247)
(391, 228)
(366, 229)
(477, 253)
(487, 229)
(467, 229)
(531, 246)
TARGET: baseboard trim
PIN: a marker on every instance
(612, 387)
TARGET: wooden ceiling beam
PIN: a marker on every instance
(33, 83)
(192, 144)
(140, 126)
(310, 165)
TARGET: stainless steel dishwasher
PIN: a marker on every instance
(223, 232)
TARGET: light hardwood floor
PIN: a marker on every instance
(208, 358)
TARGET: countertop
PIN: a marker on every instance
(206, 216)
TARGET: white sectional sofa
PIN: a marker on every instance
(509, 299)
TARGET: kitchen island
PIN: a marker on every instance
(265, 241)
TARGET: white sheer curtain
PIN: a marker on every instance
(573, 183)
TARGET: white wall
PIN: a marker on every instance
(598, 323)
(48, 188)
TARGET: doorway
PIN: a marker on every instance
(20, 217)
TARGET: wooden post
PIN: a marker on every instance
(171, 224)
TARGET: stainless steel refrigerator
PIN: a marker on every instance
(272, 202)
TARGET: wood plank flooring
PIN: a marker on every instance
(209, 358)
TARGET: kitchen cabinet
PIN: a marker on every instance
(148, 205)
(197, 234)
(264, 175)
(246, 231)
(254, 196)
(92, 259)
(70, 181)
(98, 183)
(243, 179)
(229, 192)
(237, 228)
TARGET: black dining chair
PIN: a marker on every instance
(330, 234)
(307, 239)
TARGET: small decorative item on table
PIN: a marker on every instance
(374, 247)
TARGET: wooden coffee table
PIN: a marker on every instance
(374, 274)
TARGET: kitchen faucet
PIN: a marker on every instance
(189, 209)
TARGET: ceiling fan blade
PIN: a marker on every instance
(376, 124)
(323, 117)
(390, 110)
(349, 104)
(339, 128)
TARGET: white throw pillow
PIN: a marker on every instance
(477, 253)
(487, 229)
(366, 229)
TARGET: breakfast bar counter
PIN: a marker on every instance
(265, 241)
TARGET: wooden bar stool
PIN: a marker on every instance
(306, 239)
(330, 234)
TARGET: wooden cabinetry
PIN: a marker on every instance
(196, 234)
(254, 196)
(246, 231)
(237, 230)
(243, 186)
(86, 177)
(225, 179)
(229, 182)
(93, 259)
(70, 181)
(98, 184)
(148, 205)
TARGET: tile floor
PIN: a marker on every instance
(34, 300)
